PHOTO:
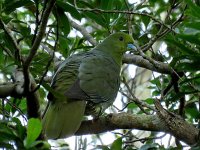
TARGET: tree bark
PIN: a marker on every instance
(176, 127)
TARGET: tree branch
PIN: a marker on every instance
(84, 32)
(142, 62)
(13, 41)
(120, 121)
(141, 104)
(128, 58)
(29, 84)
(137, 121)
(177, 126)
(124, 12)
(8, 52)
(41, 32)
(7, 89)
(162, 32)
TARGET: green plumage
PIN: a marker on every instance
(83, 83)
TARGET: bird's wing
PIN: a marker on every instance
(99, 77)
(66, 79)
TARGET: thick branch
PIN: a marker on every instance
(177, 126)
(141, 62)
(33, 97)
(7, 89)
(13, 89)
(120, 121)
(137, 121)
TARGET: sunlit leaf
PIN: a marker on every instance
(117, 144)
(34, 129)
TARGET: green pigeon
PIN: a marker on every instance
(85, 84)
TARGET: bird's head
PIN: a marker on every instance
(118, 42)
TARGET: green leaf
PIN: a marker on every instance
(10, 6)
(25, 31)
(149, 146)
(117, 144)
(97, 18)
(174, 98)
(194, 9)
(193, 112)
(63, 21)
(149, 100)
(23, 106)
(107, 5)
(6, 19)
(2, 57)
(145, 20)
(190, 38)
(67, 7)
(6, 132)
(156, 81)
(5, 145)
(188, 66)
(33, 131)
(194, 80)
(63, 46)
(195, 147)
(102, 147)
(21, 130)
(132, 106)
(184, 49)
(155, 93)
(193, 25)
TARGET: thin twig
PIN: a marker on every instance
(84, 32)
(152, 61)
(135, 99)
(33, 98)
(40, 34)
(129, 18)
(37, 22)
(13, 41)
(96, 10)
(17, 108)
(8, 52)
(50, 52)
(127, 103)
(52, 57)
(35, 45)
(146, 139)
(161, 34)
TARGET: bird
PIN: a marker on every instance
(84, 84)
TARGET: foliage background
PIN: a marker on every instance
(167, 33)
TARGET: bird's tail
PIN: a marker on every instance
(62, 120)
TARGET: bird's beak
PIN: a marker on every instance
(131, 47)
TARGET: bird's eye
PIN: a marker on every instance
(121, 38)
